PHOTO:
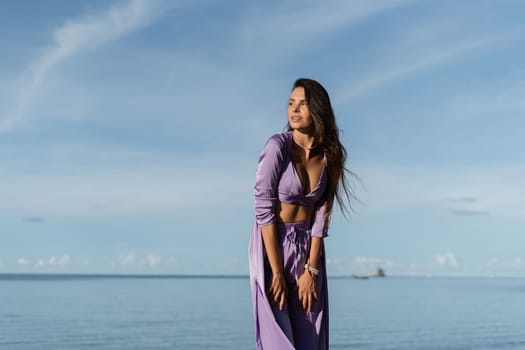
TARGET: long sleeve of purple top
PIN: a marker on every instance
(266, 182)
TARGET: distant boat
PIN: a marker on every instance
(379, 273)
(358, 277)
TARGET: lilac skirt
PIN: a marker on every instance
(291, 328)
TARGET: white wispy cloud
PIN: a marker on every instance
(517, 263)
(79, 35)
(40, 263)
(446, 259)
(128, 258)
(503, 266)
(442, 264)
(23, 262)
(335, 262)
(153, 259)
(432, 56)
(54, 262)
(313, 18)
(133, 260)
(285, 30)
(366, 265)
(64, 260)
(363, 261)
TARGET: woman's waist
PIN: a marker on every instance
(296, 232)
(293, 213)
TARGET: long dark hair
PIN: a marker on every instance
(326, 134)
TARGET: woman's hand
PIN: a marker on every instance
(278, 290)
(306, 290)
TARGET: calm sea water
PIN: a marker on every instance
(101, 312)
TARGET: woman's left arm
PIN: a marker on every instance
(306, 283)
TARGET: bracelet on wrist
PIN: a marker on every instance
(312, 269)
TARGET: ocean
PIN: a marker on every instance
(207, 312)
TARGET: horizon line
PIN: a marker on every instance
(227, 276)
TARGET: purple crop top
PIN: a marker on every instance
(277, 180)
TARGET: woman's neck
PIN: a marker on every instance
(304, 140)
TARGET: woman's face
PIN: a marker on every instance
(299, 116)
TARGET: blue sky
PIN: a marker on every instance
(130, 131)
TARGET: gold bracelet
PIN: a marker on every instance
(311, 269)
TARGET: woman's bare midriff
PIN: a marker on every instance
(293, 212)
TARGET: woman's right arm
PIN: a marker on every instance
(278, 289)
(266, 197)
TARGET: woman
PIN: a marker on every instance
(301, 172)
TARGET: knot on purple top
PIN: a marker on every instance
(296, 237)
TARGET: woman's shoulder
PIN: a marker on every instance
(277, 144)
(280, 138)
